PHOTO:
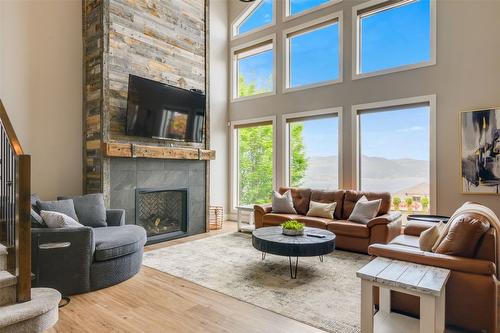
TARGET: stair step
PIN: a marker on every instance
(7, 288)
(34, 316)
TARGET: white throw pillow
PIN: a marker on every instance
(283, 203)
(365, 210)
(319, 209)
(58, 220)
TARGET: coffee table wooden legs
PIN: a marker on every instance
(293, 272)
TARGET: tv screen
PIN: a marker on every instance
(161, 111)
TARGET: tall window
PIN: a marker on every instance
(312, 154)
(296, 7)
(257, 16)
(253, 69)
(313, 53)
(394, 154)
(394, 35)
(254, 162)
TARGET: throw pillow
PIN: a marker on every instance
(59, 220)
(283, 203)
(90, 209)
(62, 206)
(463, 235)
(365, 210)
(430, 236)
(319, 209)
(36, 220)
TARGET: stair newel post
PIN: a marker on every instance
(23, 228)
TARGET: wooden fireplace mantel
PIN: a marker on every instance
(132, 150)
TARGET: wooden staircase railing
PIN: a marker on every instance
(15, 206)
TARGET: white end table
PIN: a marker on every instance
(246, 227)
(426, 282)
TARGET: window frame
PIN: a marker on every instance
(247, 12)
(357, 109)
(234, 67)
(356, 38)
(288, 17)
(308, 27)
(285, 130)
(234, 155)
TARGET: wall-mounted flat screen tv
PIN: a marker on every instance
(161, 111)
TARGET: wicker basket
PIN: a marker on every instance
(216, 217)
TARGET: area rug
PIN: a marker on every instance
(325, 294)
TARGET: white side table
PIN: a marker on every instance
(246, 227)
(426, 282)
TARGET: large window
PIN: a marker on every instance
(394, 35)
(394, 154)
(312, 151)
(253, 69)
(253, 162)
(313, 53)
(259, 14)
(299, 7)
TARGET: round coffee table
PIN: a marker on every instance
(271, 240)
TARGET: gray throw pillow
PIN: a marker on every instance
(283, 203)
(90, 209)
(61, 206)
(365, 210)
(36, 220)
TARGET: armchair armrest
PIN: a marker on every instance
(115, 217)
(65, 268)
(415, 228)
(259, 212)
(454, 263)
(384, 219)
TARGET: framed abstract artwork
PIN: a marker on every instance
(480, 151)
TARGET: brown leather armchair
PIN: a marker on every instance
(471, 291)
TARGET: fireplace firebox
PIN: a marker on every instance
(162, 212)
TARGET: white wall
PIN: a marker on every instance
(466, 76)
(219, 173)
(41, 88)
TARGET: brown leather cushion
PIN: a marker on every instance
(351, 197)
(347, 228)
(301, 197)
(463, 235)
(411, 241)
(314, 222)
(277, 219)
(487, 247)
(328, 197)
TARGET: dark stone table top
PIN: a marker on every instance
(271, 240)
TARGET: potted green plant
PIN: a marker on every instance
(409, 203)
(425, 203)
(293, 228)
(396, 201)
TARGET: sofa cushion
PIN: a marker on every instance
(348, 228)
(66, 207)
(115, 242)
(328, 197)
(314, 222)
(365, 210)
(90, 209)
(405, 240)
(319, 209)
(301, 197)
(283, 203)
(351, 197)
(58, 220)
(430, 236)
(276, 219)
(463, 235)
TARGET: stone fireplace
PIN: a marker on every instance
(162, 212)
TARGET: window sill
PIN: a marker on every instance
(311, 86)
(246, 98)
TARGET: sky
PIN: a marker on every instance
(390, 38)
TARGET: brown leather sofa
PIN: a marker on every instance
(350, 235)
(471, 291)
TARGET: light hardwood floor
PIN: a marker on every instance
(153, 301)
